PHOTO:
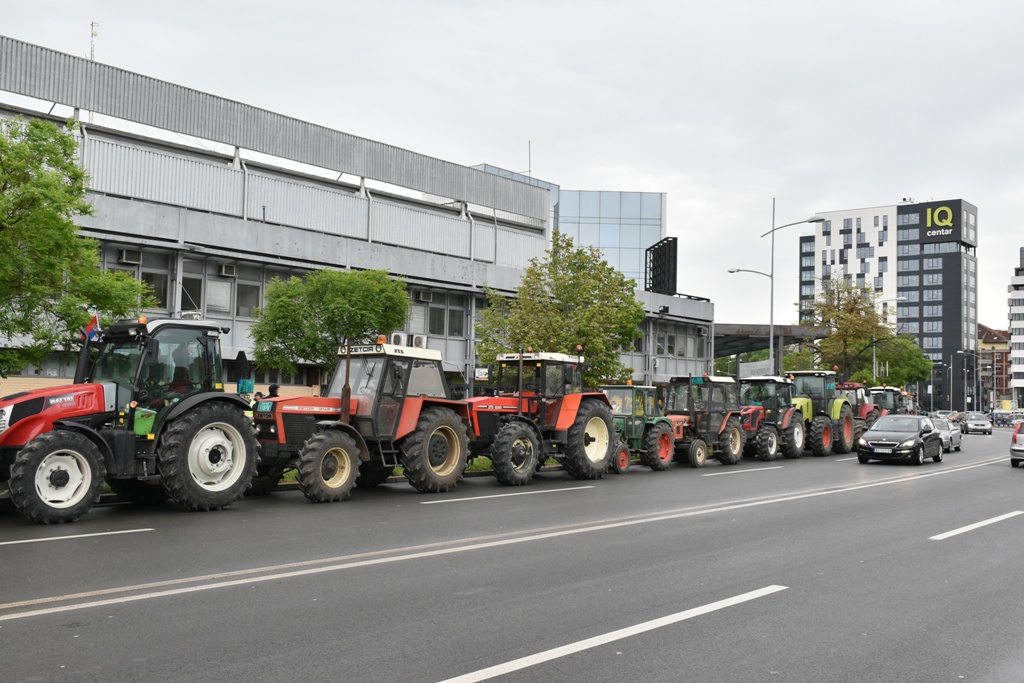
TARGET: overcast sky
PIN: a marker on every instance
(722, 105)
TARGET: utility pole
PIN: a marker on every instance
(92, 49)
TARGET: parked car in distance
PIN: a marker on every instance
(950, 433)
(976, 423)
(1017, 445)
(943, 414)
(901, 437)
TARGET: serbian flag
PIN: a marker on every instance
(92, 329)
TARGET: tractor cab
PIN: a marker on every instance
(772, 418)
(773, 395)
(888, 399)
(817, 385)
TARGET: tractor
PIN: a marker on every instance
(829, 416)
(864, 408)
(641, 427)
(772, 419)
(889, 399)
(541, 410)
(147, 413)
(400, 414)
(709, 407)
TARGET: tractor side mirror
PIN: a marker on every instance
(152, 352)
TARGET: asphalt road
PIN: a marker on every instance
(796, 570)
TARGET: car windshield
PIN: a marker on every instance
(892, 423)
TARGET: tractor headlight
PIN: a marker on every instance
(5, 418)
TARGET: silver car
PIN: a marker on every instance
(1017, 445)
(951, 437)
(976, 423)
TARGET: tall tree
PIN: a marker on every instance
(49, 274)
(571, 297)
(311, 319)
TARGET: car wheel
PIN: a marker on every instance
(918, 456)
(937, 457)
(1014, 463)
(863, 459)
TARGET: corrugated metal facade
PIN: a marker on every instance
(53, 76)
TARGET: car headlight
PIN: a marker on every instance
(909, 443)
(863, 441)
(5, 418)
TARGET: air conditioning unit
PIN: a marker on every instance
(226, 269)
(131, 257)
(419, 341)
(702, 330)
(425, 297)
(398, 338)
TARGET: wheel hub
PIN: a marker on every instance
(59, 478)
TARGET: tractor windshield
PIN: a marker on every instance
(756, 393)
(118, 362)
(508, 377)
(621, 400)
(811, 386)
(365, 377)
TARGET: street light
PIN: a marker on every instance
(771, 279)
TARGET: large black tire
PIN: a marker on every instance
(819, 438)
(207, 456)
(328, 466)
(436, 454)
(591, 441)
(265, 481)
(870, 418)
(843, 437)
(373, 473)
(698, 453)
(138, 492)
(768, 443)
(659, 445)
(57, 477)
(731, 442)
(515, 454)
(793, 436)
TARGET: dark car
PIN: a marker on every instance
(901, 437)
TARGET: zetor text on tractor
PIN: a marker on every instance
(710, 410)
(540, 410)
(641, 427)
(147, 410)
(773, 421)
(400, 413)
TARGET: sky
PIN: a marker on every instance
(724, 106)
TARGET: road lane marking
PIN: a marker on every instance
(976, 525)
(759, 469)
(604, 639)
(66, 538)
(845, 459)
(504, 495)
(309, 567)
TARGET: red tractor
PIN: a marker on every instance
(401, 414)
(147, 413)
(540, 410)
(864, 408)
(710, 408)
(773, 423)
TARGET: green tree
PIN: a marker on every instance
(900, 362)
(571, 297)
(49, 274)
(311, 319)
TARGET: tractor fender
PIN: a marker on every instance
(190, 402)
(786, 417)
(413, 407)
(527, 421)
(364, 452)
(836, 409)
(725, 421)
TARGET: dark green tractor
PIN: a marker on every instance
(642, 429)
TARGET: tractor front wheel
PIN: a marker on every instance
(328, 466)
(821, 436)
(515, 454)
(620, 460)
(57, 477)
(698, 453)
(793, 436)
(767, 443)
(731, 442)
(843, 439)
(659, 445)
(436, 454)
(591, 441)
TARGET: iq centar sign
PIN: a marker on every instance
(941, 216)
(939, 221)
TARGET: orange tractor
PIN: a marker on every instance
(709, 408)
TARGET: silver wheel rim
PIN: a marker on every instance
(216, 457)
(52, 471)
(798, 436)
(596, 440)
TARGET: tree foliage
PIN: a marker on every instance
(859, 334)
(569, 297)
(49, 274)
(310, 319)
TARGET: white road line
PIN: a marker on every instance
(604, 639)
(759, 469)
(504, 495)
(429, 550)
(845, 459)
(976, 525)
(66, 538)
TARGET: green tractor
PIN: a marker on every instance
(831, 426)
(641, 427)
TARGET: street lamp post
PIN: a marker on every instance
(771, 279)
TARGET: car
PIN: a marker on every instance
(944, 414)
(951, 436)
(901, 437)
(1017, 445)
(976, 423)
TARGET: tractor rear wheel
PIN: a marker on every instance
(659, 445)
(794, 435)
(328, 466)
(870, 418)
(698, 453)
(515, 454)
(57, 477)
(731, 442)
(373, 473)
(436, 454)
(207, 456)
(843, 438)
(591, 441)
(767, 443)
(620, 459)
(820, 437)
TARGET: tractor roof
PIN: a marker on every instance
(392, 350)
(607, 387)
(723, 379)
(539, 355)
(766, 378)
(812, 373)
(144, 325)
(880, 389)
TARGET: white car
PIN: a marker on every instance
(976, 423)
(1017, 445)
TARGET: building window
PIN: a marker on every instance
(931, 342)
(933, 326)
(933, 311)
(908, 219)
(908, 249)
(847, 224)
(909, 312)
(933, 295)
(933, 278)
(908, 235)
(191, 293)
(807, 247)
(933, 264)
(908, 281)
(247, 299)
(807, 261)
(883, 264)
(908, 265)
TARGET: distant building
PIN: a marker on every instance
(994, 368)
(920, 260)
